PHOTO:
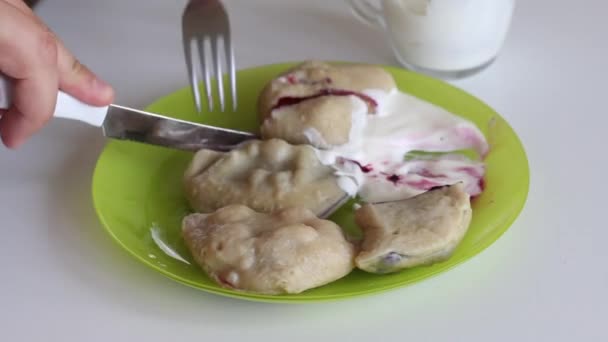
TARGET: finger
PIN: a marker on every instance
(33, 106)
(74, 78)
(15, 128)
(77, 80)
(29, 55)
(26, 46)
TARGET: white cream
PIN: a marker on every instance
(232, 278)
(372, 162)
(414, 177)
(314, 137)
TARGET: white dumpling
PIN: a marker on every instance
(319, 103)
(417, 231)
(263, 175)
(289, 251)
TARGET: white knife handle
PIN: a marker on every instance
(67, 107)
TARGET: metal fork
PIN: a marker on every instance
(205, 25)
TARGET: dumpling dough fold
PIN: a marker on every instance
(263, 175)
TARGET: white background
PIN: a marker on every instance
(63, 279)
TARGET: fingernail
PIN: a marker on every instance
(99, 84)
(102, 88)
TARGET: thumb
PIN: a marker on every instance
(80, 82)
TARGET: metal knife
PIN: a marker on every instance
(123, 123)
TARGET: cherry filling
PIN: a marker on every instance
(393, 178)
(291, 79)
(224, 281)
(364, 168)
(423, 184)
(291, 100)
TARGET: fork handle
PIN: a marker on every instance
(66, 107)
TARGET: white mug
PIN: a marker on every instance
(443, 38)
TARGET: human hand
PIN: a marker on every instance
(40, 65)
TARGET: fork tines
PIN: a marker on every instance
(206, 36)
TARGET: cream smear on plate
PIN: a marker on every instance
(373, 164)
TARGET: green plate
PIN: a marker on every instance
(137, 188)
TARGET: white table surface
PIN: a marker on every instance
(545, 279)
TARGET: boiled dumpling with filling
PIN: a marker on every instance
(288, 251)
(417, 231)
(263, 175)
(322, 104)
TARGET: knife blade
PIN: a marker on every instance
(124, 123)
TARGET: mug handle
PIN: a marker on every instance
(367, 12)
